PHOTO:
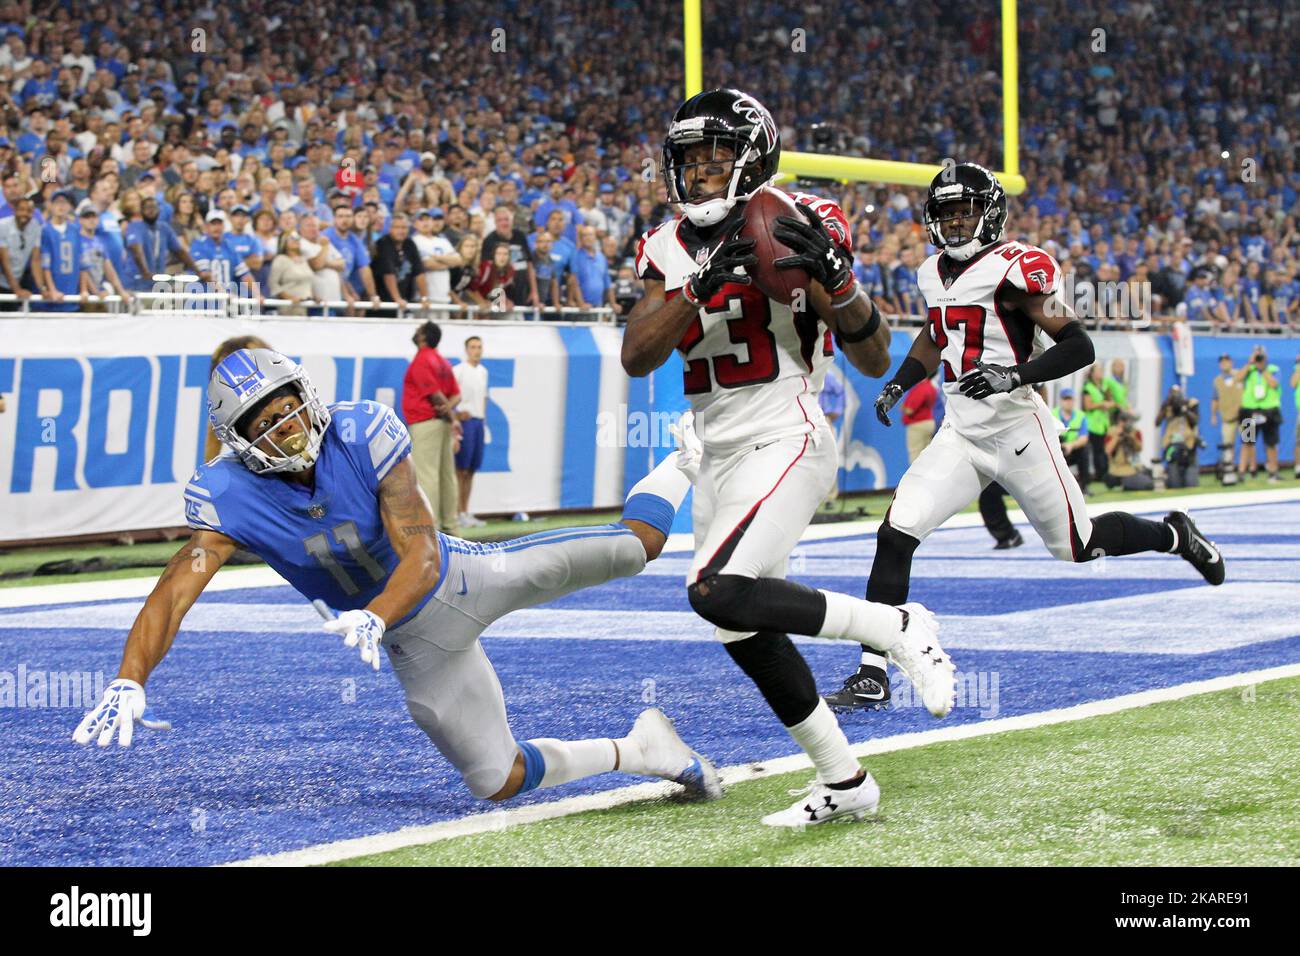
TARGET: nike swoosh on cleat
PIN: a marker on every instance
(1211, 549)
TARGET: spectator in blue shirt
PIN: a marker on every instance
(96, 266)
(551, 269)
(907, 292)
(150, 245)
(589, 284)
(218, 259)
(1199, 304)
(242, 238)
(357, 275)
(556, 202)
(307, 204)
(561, 246)
(61, 255)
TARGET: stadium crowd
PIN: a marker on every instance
(504, 155)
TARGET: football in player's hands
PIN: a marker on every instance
(761, 214)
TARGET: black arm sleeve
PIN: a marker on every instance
(910, 373)
(1072, 351)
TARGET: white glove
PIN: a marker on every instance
(360, 628)
(122, 706)
(689, 449)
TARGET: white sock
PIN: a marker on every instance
(852, 619)
(872, 659)
(665, 481)
(1174, 532)
(821, 738)
(574, 759)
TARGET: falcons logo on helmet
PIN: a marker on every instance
(754, 112)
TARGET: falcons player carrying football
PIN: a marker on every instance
(766, 456)
(988, 300)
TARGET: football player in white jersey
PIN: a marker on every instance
(753, 368)
(989, 301)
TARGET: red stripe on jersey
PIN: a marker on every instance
(997, 310)
(1075, 544)
(733, 538)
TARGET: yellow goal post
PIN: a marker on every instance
(857, 169)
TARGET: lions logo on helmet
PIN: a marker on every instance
(242, 382)
(727, 118)
(965, 190)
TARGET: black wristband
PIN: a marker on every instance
(910, 373)
(865, 332)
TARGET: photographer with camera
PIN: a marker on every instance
(1180, 417)
(1261, 412)
(1124, 455)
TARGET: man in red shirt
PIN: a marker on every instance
(918, 416)
(429, 396)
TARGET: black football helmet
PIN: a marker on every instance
(722, 117)
(965, 190)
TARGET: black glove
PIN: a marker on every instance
(985, 380)
(719, 268)
(817, 251)
(886, 400)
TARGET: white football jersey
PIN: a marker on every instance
(753, 367)
(970, 320)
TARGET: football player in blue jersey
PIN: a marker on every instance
(327, 496)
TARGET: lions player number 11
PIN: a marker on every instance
(318, 547)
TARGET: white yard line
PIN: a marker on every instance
(264, 577)
(505, 819)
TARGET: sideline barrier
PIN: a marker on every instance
(105, 419)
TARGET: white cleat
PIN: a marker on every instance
(822, 805)
(918, 655)
(664, 754)
(689, 449)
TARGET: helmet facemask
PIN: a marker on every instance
(968, 208)
(744, 180)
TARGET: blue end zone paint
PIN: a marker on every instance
(578, 483)
(284, 741)
(239, 777)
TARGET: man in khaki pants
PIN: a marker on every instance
(429, 396)
(1225, 409)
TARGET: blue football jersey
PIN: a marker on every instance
(328, 542)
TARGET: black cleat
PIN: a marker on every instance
(1006, 544)
(868, 689)
(1196, 549)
